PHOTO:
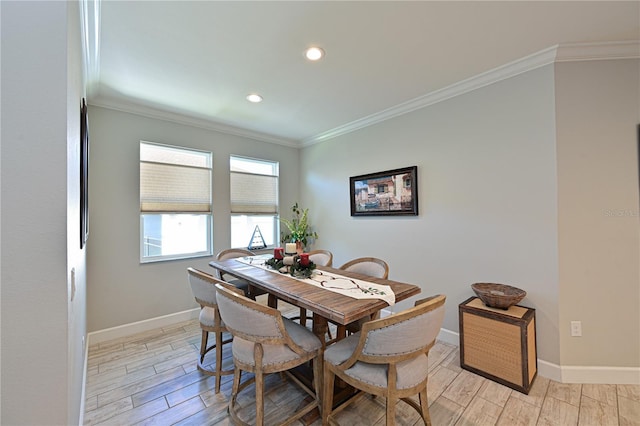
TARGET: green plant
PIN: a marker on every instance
(298, 226)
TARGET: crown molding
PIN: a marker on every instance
(558, 53)
(598, 51)
(145, 111)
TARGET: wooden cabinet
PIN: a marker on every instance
(499, 344)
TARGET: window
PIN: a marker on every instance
(254, 202)
(175, 203)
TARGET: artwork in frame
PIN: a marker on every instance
(388, 193)
(84, 174)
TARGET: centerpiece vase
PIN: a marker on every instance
(299, 247)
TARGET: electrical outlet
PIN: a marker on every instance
(576, 328)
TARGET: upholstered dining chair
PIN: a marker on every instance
(204, 291)
(264, 342)
(322, 258)
(373, 267)
(231, 253)
(388, 358)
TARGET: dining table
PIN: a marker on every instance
(326, 306)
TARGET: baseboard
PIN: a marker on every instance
(569, 373)
(84, 383)
(588, 374)
(140, 326)
(450, 337)
(549, 370)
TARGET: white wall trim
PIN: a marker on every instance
(558, 53)
(562, 374)
(140, 326)
(598, 51)
(84, 382)
(569, 373)
(450, 337)
(588, 374)
(177, 118)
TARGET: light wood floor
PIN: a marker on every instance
(151, 379)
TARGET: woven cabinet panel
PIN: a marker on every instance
(493, 347)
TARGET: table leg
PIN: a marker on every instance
(320, 327)
(272, 301)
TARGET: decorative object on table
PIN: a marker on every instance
(291, 248)
(499, 344)
(500, 296)
(298, 227)
(257, 241)
(298, 265)
(392, 192)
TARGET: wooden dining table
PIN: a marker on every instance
(327, 306)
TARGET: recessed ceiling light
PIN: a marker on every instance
(254, 97)
(314, 53)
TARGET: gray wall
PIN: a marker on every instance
(598, 110)
(487, 191)
(120, 289)
(510, 191)
(42, 326)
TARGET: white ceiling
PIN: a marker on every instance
(200, 59)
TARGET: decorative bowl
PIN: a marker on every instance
(500, 296)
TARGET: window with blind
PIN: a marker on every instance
(254, 202)
(175, 203)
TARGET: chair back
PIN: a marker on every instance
(252, 321)
(371, 266)
(231, 253)
(403, 335)
(202, 287)
(321, 257)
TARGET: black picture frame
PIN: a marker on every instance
(387, 193)
(84, 174)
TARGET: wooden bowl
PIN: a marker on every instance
(500, 296)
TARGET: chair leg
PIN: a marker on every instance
(234, 394)
(203, 344)
(218, 360)
(391, 410)
(327, 394)
(424, 407)
(259, 397)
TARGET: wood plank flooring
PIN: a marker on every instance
(151, 379)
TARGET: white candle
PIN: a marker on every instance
(290, 248)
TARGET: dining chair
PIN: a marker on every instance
(264, 342)
(322, 258)
(204, 291)
(231, 253)
(388, 358)
(373, 267)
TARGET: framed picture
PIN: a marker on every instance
(84, 174)
(388, 193)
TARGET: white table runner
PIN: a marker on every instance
(358, 289)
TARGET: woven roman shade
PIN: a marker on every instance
(254, 193)
(174, 181)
